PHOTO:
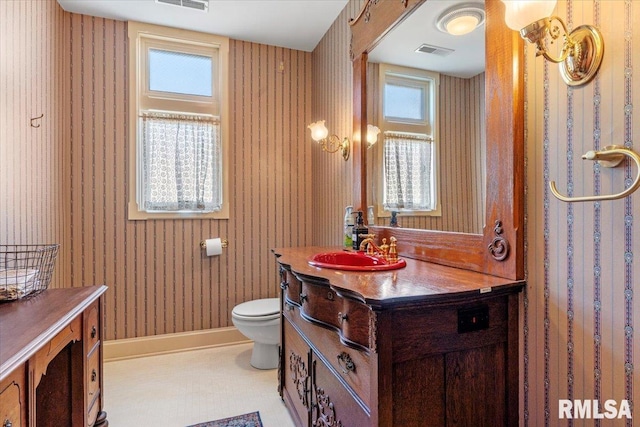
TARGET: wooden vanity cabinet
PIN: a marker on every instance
(51, 359)
(428, 345)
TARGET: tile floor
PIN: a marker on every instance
(181, 389)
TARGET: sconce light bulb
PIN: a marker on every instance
(318, 130)
(520, 13)
(372, 134)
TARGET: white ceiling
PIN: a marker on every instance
(398, 47)
(301, 24)
(295, 24)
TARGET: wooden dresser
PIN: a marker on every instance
(51, 359)
(426, 345)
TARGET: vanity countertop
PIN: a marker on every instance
(419, 281)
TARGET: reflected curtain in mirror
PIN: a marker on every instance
(408, 172)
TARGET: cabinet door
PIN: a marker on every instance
(12, 399)
(296, 373)
(332, 404)
(476, 387)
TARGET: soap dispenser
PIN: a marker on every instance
(348, 227)
(359, 231)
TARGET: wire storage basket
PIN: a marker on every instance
(25, 269)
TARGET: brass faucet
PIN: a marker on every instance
(388, 252)
(369, 244)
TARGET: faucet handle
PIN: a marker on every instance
(393, 251)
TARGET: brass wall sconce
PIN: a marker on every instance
(582, 49)
(329, 143)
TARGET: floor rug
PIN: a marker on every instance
(246, 420)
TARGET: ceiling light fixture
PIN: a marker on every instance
(461, 19)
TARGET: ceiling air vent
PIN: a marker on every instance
(202, 5)
(435, 50)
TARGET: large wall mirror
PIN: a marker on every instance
(478, 223)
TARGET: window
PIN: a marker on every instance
(178, 96)
(408, 121)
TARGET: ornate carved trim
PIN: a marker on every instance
(499, 246)
(366, 11)
(373, 331)
(300, 377)
(325, 412)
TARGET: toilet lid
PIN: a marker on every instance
(258, 308)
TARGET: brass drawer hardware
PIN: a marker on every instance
(346, 363)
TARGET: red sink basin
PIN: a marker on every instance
(354, 261)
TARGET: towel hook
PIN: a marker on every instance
(609, 157)
(36, 118)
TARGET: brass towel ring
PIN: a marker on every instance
(609, 157)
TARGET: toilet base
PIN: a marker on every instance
(264, 356)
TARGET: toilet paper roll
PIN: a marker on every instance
(214, 246)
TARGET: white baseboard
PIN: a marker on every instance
(129, 348)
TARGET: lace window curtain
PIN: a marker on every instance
(181, 163)
(408, 163)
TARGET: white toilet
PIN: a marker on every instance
(259, 320)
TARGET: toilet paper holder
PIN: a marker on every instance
(223, 242)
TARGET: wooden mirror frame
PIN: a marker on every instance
(499, 250)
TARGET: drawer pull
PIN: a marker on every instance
(7, 423)
(94, 332)
(330, 296)
(284, 285)
(346, 363)
(303, 298)
(94, 375)
(342, 317)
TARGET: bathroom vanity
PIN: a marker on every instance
(425, 345)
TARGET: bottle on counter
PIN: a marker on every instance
(359, 230)
(371, 219)
(348, 227)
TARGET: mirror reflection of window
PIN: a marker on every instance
(409, 127)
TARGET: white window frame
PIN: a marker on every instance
(430, 81)
(142, 37)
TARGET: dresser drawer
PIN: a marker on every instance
(352, 365)
(291, 286)
(93, 375)
(92, 413)
(92, 327)
(321, 304)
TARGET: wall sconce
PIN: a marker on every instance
(372, 135)
(582, 50)
(329, 143)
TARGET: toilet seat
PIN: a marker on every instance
(258, 310)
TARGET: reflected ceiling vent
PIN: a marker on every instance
(202, 5)
(434, 50)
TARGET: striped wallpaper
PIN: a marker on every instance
(32, 200)
(332, 77)
(581, 313)
(65, 181)
(75, 194)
